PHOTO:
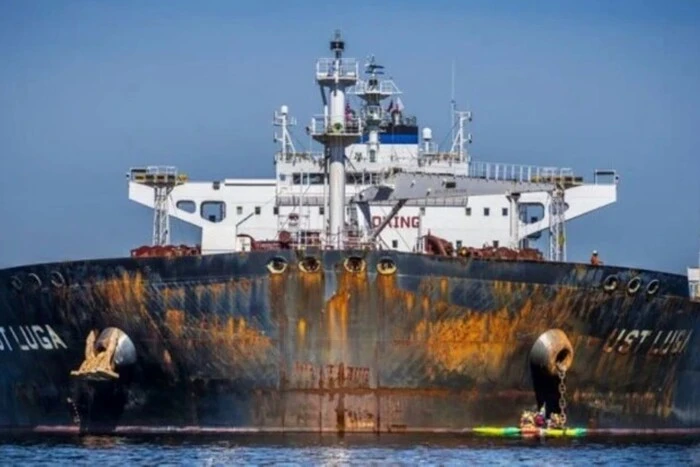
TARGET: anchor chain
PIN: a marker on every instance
(562, 396)
(76, 414)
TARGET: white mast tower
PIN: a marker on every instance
(163, 179)
(283, 120)
(459, 140)
(336, 130)
(557, 219)
(373, 91)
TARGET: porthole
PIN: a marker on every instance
(354, 264)
(310, 264)
(610, 283)
(386, 266)
(277, 265)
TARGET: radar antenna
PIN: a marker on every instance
(372, 67)
(372, 91)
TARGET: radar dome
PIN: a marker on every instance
(427, 134)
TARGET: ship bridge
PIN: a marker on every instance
(296, 201)
(373, 139)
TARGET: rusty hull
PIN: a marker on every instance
(440, 344)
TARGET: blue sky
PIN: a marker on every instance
(91, 88)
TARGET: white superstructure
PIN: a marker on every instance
(366, 143)
(694, 281)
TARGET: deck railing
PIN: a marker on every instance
(520, 173)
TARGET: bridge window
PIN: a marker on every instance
(504, 211)
(352, 178)
(422, 210)
(213, 211)
(487, 211)
(531, 212)
(468, 211)
(459, 244)
(394, 243)
(187, 206)
(370, 178)
(308, 178)
(257, 210)
(321, 210)
(239, 210)
(316, 179)
(275, 210)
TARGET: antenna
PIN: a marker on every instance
(372, 67)
(453, 103)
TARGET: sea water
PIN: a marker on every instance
(362, 450)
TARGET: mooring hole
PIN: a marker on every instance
(563, 355)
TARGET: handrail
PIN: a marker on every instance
(519, 173)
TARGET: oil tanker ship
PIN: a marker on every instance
(379, 285)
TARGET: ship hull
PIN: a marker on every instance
(266, 341)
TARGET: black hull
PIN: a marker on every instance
(226, 343)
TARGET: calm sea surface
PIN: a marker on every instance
(314, 450)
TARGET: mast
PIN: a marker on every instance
(453, 103)
(557, 219)
(373, 91)
(461, 138)
(282, 120)
(163, 179)
(336, 130)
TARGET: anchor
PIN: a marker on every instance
(550, 358)
(104, 354)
